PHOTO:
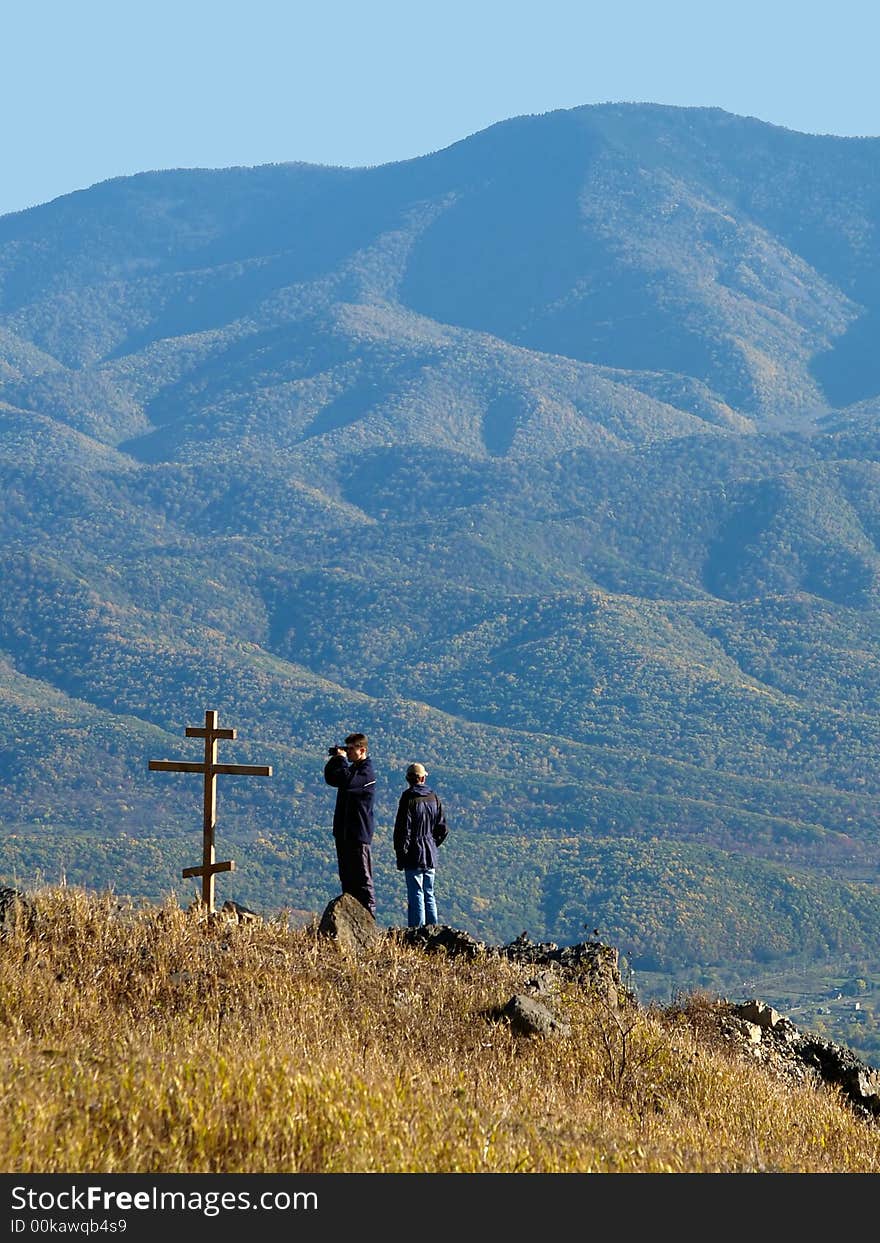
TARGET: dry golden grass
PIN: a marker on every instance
(150, 1040)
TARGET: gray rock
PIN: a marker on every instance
(757, 1012)
(863, 1085)
(351, 925)
(750, 1033)
(237, 914)
(542, 983)
(859, 1082)
(528, 1017)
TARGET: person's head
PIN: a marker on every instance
(416, 774)
(356, 746)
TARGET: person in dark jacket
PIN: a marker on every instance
(350, 770)
(419, 828)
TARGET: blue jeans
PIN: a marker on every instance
(421, 905)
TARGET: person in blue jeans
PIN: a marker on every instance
(419, 829)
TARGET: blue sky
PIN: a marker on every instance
(92, 89)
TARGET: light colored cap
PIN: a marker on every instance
(416, 772)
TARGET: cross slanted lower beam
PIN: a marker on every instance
(210, 769)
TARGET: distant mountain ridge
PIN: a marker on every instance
(550, 458)
(643, 239)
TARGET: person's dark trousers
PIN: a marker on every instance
(356, 872)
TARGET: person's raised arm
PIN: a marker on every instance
(356, 778)
(335, 770)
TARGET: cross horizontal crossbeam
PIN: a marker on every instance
(228, 866)
(190, 766)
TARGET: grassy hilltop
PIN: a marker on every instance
(148, 1039)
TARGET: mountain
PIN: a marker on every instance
(550, 459)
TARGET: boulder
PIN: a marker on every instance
(528, 1017)
(349, 924)
(757, 1012)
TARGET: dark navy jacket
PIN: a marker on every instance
(419, 828)
(356, 785)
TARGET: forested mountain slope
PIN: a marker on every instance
(550, 459)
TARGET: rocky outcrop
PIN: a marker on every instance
(771, 1038)
(593, 965)
(440, 938)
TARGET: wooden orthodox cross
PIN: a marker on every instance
(211, 769)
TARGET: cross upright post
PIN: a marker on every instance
(212, 733)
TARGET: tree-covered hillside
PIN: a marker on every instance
(550, 459)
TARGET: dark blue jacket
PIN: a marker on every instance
(356, 785)
(419, 828)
